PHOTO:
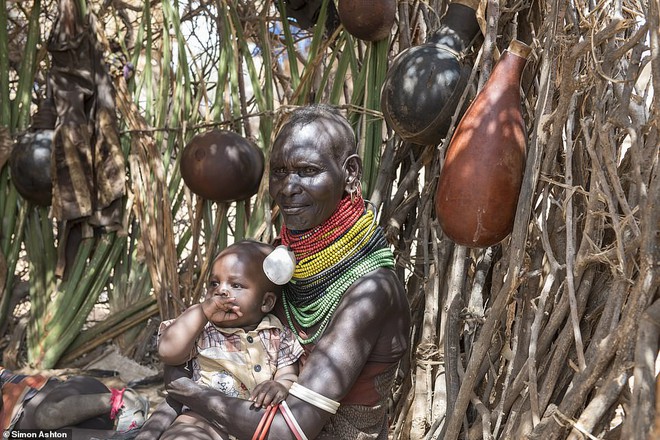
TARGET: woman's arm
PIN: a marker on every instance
(374, 308)
(373, 303)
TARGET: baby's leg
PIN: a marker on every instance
(192, 426)
(162, 418)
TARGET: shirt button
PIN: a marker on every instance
(257, 368)
(250, 340)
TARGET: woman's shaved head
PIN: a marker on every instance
(330, 120)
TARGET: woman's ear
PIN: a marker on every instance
(268, 302)
(353, 171)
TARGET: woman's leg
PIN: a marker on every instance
(192, 426)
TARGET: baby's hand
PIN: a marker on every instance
(268, 393)
(218, 308)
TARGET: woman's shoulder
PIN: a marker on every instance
(383, 280)
(378, 304)
(381, 286)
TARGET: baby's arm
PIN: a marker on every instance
(176, 341)
(272, 392)
(287, 375)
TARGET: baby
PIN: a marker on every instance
(234, 343)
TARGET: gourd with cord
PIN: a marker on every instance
(480, 180)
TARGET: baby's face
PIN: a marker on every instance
(235, 276)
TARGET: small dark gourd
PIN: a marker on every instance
(222, 166)
(480, 179)
(424, 84)
(369, 20)
(30, 160)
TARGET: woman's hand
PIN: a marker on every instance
(268, 393)
(220, 308)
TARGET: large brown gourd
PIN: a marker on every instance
(369, 20)
(222, 166)
(480, 180)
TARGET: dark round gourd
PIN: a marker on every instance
(424, 84)
(369, 20)
(222, 166)
(421, 92)
(30, 160)
(29, 165)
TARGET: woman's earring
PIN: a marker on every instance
(356, 188)
(280, 265)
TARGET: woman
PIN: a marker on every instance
(345, 302)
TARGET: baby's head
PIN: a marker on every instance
(237, 272)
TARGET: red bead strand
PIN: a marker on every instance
(309, 242)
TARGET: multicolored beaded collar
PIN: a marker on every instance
(331, 257)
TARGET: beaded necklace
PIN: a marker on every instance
(331, 257)
(307, 243)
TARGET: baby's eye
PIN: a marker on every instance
(236, 286)
(213, 285)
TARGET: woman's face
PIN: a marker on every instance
(306, 181)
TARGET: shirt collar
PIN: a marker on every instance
(268, 322)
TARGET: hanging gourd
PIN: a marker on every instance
(480, 179)
(222, 166)
(424, 84)
(30, 160)
(369, 20)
